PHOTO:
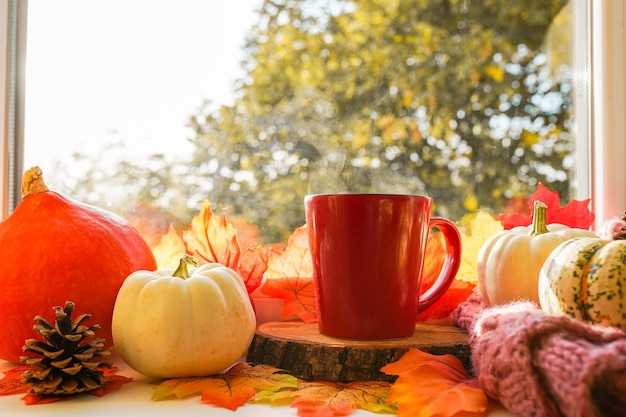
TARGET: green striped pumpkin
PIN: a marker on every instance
(585, 278)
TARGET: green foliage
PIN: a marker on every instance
(449, 98)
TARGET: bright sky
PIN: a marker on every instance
(138, 67)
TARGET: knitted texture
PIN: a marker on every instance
(540, 365)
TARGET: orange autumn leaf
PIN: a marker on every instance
(246, 383)
(434, 385)
(229, 390)
(329, 399)
(248, 234)
(297, 295)
(289, 276)
(210, 238)
(448, 302)
(252, 266)
(321, 399)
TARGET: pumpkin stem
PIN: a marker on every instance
(32, 182)
(540, 225)
(183, 266)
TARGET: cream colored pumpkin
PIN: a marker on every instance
(510, 261)
(585, 278)
(190, 322)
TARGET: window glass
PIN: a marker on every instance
(141, 107)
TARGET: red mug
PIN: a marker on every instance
(368, 256)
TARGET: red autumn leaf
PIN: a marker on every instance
(289, 276)
(210, 238)
(12, 384)
(575, 214)
(449, 301)
(434, 385)
(34, 399)
(113, 382)
(230, 390)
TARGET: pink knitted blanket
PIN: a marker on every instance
(539, 365)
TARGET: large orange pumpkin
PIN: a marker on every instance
(54, 249)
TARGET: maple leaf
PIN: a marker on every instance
(475, 230)
(229, 390)
(12, 383)
(434, 385)
(575, 214)
(458, 292)
(289, 276)
(210, 238)
(328, 399)
(169, 249)
(252, 266)
(248, 234)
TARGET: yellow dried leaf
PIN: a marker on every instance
(169, 249)
(230, 390)
(323, 398)
(495, 72)
(477, 228)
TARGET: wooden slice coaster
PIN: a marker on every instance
(299, 348)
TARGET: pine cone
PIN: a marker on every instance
(65, 363)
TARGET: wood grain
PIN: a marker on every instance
(299, 348)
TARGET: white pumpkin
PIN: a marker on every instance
(510, 261)
(194, 321)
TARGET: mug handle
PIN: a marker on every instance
(451, 265)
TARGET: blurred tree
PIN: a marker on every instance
(450, 98)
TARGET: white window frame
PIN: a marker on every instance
(5, 96)
(12, 58)
(601, 172)
(608, 110)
